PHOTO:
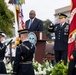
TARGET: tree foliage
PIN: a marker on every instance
(60, 69)
(6, 19)
(46, 25)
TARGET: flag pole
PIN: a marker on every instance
(16, 23)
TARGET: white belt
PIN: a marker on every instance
(27, 62)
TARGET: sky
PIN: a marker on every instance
(45, 9)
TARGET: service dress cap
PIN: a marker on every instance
(61, 15)
(22, 31)
(2, 34)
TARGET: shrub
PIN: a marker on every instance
(59, 69)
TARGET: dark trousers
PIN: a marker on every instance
(61, 55)
(2, 68)
(72, 68)
(25, 69)
(13, 58)
(53, 62)
(71, 72)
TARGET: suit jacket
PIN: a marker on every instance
(61, 37)
(37, 25)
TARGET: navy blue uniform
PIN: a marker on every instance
(72, 64)
(37, 25)
(2, 55)
(23, 59)
(61, 41)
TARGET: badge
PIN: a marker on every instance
(32, 37)
(66, 28)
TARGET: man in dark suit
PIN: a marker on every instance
(24, 56)
(61, 38)
(33, 24)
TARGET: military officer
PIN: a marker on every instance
(24, 55)
(61, 38)
(2, 55)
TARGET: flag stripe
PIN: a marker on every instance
(72, 29)
(20, 18)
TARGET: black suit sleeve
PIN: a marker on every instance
(40, 26)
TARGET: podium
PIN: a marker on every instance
(40, 45)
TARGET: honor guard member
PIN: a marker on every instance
(61, 38)
(72, 62)
(2, 55)
(24, 55)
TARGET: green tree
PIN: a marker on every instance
(46, 25)
(6, 19)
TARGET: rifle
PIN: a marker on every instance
(10, 47)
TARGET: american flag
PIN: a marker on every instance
(20, 18)
(17, 1)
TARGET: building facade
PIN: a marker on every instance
(65, 10)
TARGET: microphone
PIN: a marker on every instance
(9, 42)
